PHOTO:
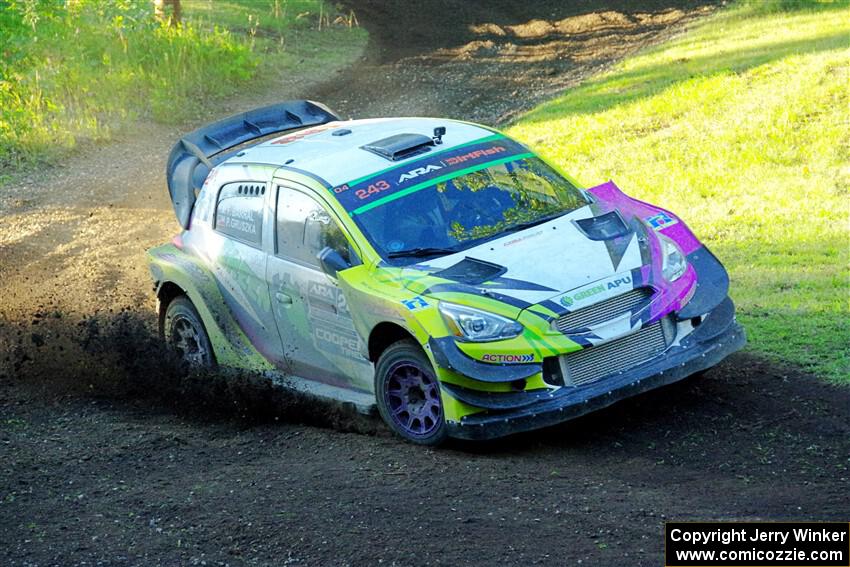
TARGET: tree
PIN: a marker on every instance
(159, 11)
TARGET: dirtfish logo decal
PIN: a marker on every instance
(508, 358)
(414, 173)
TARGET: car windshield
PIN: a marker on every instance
(456, 214)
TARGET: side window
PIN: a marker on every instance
(305, 228)
(239, 212)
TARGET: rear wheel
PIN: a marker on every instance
(185, 334)
(408, 394)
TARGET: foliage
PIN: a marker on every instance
(741, 127)
(75, 70)
(529, 184)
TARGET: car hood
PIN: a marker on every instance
(543, 262)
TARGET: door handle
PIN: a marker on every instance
(283, 298)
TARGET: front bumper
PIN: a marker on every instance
(709, 343)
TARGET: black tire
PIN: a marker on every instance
(408, 394)
(184, 333)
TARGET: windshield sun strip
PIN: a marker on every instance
(431, 182)
(430, 154)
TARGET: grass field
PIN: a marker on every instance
(75, 71)
(741, 127)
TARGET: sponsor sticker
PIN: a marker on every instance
(416, 172)
(660, 221)
(508, 358)
(289, 138)
(337, 341)
(569, 299)
(522, 239)
(417, 302)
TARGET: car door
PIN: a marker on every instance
(239, 265)
(311, 311)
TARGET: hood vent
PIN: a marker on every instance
(604, 227)
(471, 271)
(400, 146)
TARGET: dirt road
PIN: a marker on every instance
(108, 455)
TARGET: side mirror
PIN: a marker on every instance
(332, 261)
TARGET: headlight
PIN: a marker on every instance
(673, 262)
(476, 325)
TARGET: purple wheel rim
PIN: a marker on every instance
(186, 340)
(413, 399)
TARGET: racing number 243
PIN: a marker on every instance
(372, 189)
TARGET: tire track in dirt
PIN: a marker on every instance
(110, 453)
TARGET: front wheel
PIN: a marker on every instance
(185, 334)
(408, 394)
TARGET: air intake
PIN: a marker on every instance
(604, 227)
(400, 146)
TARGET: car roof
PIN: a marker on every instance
(323, 152)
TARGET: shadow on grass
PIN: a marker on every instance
(644, 82)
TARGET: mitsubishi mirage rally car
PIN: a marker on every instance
(437, 270)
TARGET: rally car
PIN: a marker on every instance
(436, 270)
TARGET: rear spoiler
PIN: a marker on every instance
(192, 158)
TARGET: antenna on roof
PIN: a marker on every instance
(439, 132)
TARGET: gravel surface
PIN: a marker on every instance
(112, 455)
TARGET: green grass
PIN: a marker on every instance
(741, 127)
(75, 71)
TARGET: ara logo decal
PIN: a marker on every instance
(322, 291)
(414, 173)
(508, 358)
(661, 221)
(567, 301)
(417, 302)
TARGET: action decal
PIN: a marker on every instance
(508, 358)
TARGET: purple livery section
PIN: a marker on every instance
(670, 296)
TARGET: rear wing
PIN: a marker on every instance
(192, 158)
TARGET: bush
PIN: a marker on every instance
(70, 70)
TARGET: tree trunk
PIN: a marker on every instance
(159, 11)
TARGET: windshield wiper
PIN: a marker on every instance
(421, 252)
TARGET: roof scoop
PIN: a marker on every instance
(401, 146)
